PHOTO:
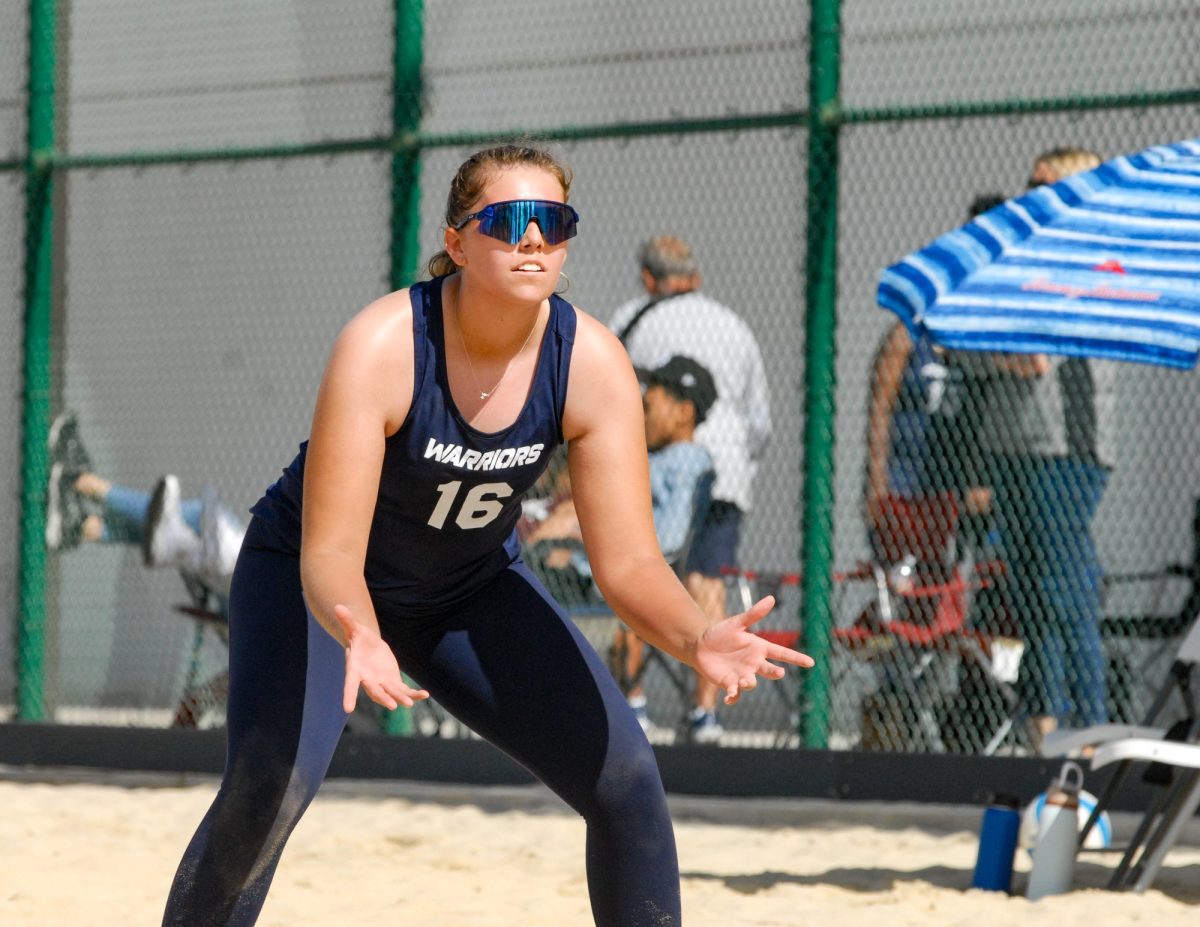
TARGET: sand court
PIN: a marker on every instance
(101, 850)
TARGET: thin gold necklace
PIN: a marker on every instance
(484, 394)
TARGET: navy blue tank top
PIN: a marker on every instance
(449, 495)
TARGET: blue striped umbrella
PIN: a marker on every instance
(1101, 264)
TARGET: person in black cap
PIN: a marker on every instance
(677, 398)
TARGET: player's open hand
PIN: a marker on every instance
(733, 657)
(371, 664)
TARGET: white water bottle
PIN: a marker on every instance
(1057, 836)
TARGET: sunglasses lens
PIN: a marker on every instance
(507, 221)
(557, 221)
(499, 221)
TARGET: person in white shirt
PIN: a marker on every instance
(674, 317)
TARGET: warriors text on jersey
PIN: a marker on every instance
(449, 495)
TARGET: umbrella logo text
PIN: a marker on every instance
(1103, 291)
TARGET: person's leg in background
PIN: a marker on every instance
(713, 549)
(627, 659)
(71, 517)
(1020, 510)
(115, 514)
(709, 594)
(198, 536)
(83, 506)
(123, 511)
(1072, 580)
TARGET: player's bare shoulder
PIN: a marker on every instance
(375, 351)
(379, 336)
(602, 380)
(595, 344)
(386, 323)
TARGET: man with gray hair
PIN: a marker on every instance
(676, 318)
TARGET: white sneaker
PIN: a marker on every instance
(703, 727)
(221, 540)
(168, 540)
(54, 508)
(638, 704)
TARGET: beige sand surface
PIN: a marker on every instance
(103, 852)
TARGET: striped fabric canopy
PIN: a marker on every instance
(1101, 264)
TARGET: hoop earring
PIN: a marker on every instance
(562, 275)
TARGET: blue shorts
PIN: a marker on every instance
(716, 543)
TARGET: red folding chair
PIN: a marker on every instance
(922, 609)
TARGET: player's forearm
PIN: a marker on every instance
(648, 597)
(332, 578)
(878, 447)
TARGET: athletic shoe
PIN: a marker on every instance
(66, 509)
(703, 727)
(66, 447)
(638, 704)
(221, 534)
(168, 540)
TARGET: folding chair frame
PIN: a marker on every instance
(1162, 823)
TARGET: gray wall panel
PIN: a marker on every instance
(594, 63)
(149, 75)
(14, 60)
(929, 51)
(201, 306)
(12, 231)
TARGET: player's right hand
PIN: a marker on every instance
(371, 664)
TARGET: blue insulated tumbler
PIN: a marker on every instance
(997, 844)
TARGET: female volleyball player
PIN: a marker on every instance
(439, 407)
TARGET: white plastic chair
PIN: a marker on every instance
(1165, 819)
(1179, 764)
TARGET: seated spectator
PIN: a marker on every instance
(198, 536)
(677, 397)
(554, 549)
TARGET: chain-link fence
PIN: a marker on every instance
(229, 185)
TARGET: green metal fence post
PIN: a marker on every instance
(407, 91)
(407, 95)
(819, 368)
(35, 397)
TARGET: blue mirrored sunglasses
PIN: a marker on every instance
(506, 221)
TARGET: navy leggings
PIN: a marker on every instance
(507, 663)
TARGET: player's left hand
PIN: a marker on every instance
(733, 657)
